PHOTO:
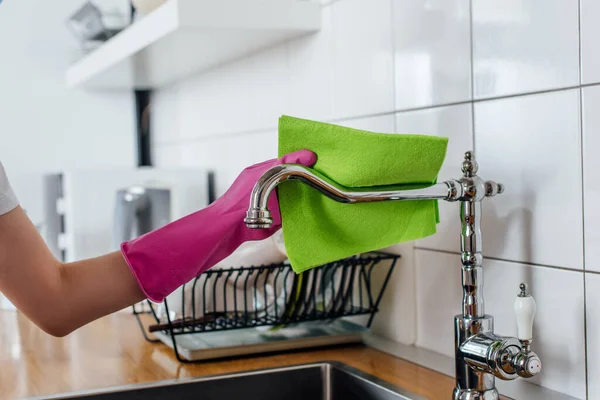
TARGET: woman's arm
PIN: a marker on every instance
(58, 297)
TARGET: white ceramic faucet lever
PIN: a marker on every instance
(526, 362)
(525, 312)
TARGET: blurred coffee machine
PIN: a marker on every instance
(89, 213)
(139, 210)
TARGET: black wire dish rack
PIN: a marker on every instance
(257, 309)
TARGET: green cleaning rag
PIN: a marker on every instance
(318, 230)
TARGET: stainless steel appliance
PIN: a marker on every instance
(139, 210)
(81, 218)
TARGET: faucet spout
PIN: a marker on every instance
(258, 215)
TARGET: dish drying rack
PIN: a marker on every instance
(266, 308)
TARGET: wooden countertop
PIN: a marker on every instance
(112, 351)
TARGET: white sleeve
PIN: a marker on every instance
(8, 200)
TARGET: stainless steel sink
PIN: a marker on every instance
(323, 381)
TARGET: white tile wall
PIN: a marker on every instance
(591, 176)
(206, 101)
(269, 88)
(523, 46)
(363, 57)
(411, 66)
(532, 144)
(380, 123)
(397, 316)
(590, 38)
(432, 56)
(311, 72)
(592, 282)
(439, 293)
(560, 347)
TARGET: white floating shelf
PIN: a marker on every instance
(184, 37)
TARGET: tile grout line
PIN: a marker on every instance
(529, 263)
(472, 65)
(394, 86)
(532, 93)
(582, 166)
(379, 114)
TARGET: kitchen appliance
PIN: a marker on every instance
(139, 210)
(80, 206)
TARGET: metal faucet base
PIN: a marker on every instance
(472, 379)
(464, 394)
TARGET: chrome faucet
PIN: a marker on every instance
(480, 355)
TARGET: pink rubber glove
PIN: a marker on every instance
(167, 258)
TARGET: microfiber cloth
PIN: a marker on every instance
(318, 230)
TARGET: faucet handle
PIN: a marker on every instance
(492, 188)
(526, 362)
(469, 165)
(525, 308)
